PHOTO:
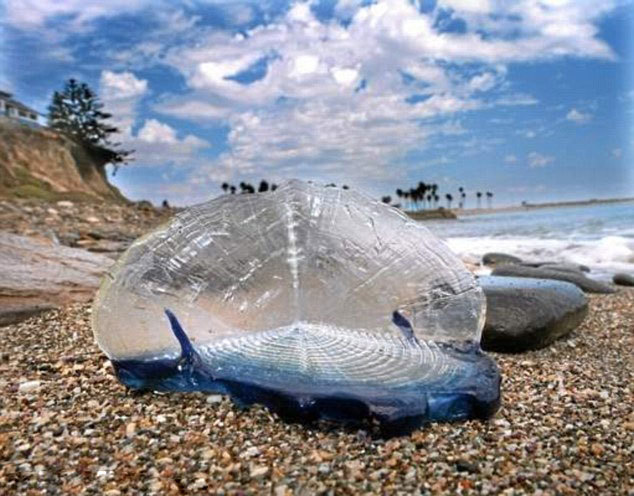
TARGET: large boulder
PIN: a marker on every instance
(36, 275)
(577, 278)
(527, 314)
(623, 279)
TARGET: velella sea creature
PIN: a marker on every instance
(317, 302)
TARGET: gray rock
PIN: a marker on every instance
(558, 266)
(494, 258)
(528, 314)
(623, 279)
(577, 278)
(36, 275)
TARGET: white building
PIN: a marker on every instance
(13, 109)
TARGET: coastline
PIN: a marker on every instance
(537, 206)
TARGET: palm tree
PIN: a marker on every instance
(449, 198)
(405, 197)
(479, 195)
(232, 188)
(412, 196)
(386, 199)
(489, 198)
(399, 193)
(224, 187)
(421, 189)
(461, 189)
(264, 186)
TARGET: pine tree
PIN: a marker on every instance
(78, 113)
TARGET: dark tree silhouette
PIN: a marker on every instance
(77, 112)
(386, 199)
(449, 199)
(479, 196)
(345, 186)
(489, 198)
(462, 195)
(264, 186)
(399, 193)
(232, 188)
(225, 187)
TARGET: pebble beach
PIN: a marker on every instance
(566, 426)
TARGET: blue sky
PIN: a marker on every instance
(532, 100)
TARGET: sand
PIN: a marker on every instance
(68, 427)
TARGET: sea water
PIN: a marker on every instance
(600, 236)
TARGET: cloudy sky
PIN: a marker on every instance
(530, 99)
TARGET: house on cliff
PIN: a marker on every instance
(13, 109)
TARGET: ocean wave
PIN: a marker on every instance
(604, 256)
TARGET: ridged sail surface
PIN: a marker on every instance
(306, 294)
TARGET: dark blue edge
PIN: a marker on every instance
(397, 412)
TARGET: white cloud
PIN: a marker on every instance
(154, 131)
(34, 14)
(121, 85)
(483, 82)
(578, 117)
(510, 159)
(476, 6)
(157, 143)
(516, 99)
(121, 93)
(538, 160)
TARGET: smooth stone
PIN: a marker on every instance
(623, 279)
(29, 386)
(528, 314)
(558, 266)
(36, 275)
(577, 278)
(494, 258)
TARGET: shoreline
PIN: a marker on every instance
(537, 206)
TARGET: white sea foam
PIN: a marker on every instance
(604, 256)
(599, 236)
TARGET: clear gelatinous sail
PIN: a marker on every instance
(314, 298)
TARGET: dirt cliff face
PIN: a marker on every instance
(43, 164)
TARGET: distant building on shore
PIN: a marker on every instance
(15, 110)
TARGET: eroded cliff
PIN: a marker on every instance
(44, 164)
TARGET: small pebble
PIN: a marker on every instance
(29, 386)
